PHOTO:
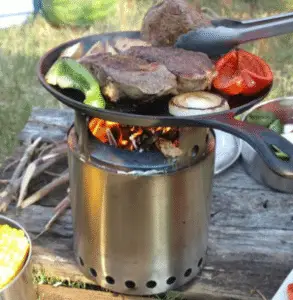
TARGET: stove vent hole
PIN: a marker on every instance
(200, 263)
(130, 284)
(110, 280)
(207, 138)
(195, 150)
(171, 280)
(81, 261)
(151, 284)
(93, 272)
(188, 272)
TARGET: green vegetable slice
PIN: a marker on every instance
(68, 73)
(277, 126)
(280, 154)
(262, 118)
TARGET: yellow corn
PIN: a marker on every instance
(14, 248)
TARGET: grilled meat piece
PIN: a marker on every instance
(165, 22)
(194, 70)
(122, 76)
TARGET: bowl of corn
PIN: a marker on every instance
(15, 257)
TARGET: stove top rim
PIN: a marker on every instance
(112, 161)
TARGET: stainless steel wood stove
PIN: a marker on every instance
(140, 220)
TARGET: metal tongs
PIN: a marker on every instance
(227, 34)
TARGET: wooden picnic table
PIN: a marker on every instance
(250, 236)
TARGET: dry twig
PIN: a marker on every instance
(5, 201)
(263, 297)
(111, 137)
(9, 166)
(53, 174)
(6, 195)
(45, 148)
(30, 172)
(24, 160)
(4, 181)
(45, 190)
(59, 210)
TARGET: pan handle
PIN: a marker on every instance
(260, 138)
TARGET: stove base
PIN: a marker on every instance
(140, 234)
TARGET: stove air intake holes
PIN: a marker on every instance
(171, 280)
(81, 262)
(195, 150)
(200, 262)
(130, 284)
(151, 284)
(110, 280)
(93, 272)
(188, 272)
(207, 138)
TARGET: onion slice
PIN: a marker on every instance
(197, 103)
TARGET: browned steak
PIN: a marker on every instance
(165, 22)
(123, 76)
(194, 70)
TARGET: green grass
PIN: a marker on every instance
(40, 277)
(21, 48)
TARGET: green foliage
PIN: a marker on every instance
(77, 13)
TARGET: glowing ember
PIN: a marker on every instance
(132, 137)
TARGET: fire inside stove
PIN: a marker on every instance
(135, 138)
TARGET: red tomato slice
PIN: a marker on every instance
(229, 80)
(290, 291)
(241, 72)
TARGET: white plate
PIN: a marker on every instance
(228, 150)
(282, 292)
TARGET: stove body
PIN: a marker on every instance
(140, 221)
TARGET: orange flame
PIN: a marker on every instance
(99, 128)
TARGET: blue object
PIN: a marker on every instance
(37, 6)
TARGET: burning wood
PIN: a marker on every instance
(168, 148)
(135, 138)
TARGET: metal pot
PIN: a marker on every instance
(21, 287)
(252, 162)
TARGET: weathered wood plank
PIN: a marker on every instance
(236, 177)
(252, 209)
(50, 124)
(239, 259)
(245, 209)
(47, 292)
(226, 241)
(220, 279)
(62, 118)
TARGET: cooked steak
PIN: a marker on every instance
(194, 70)
(165, 22)
(123, 76)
